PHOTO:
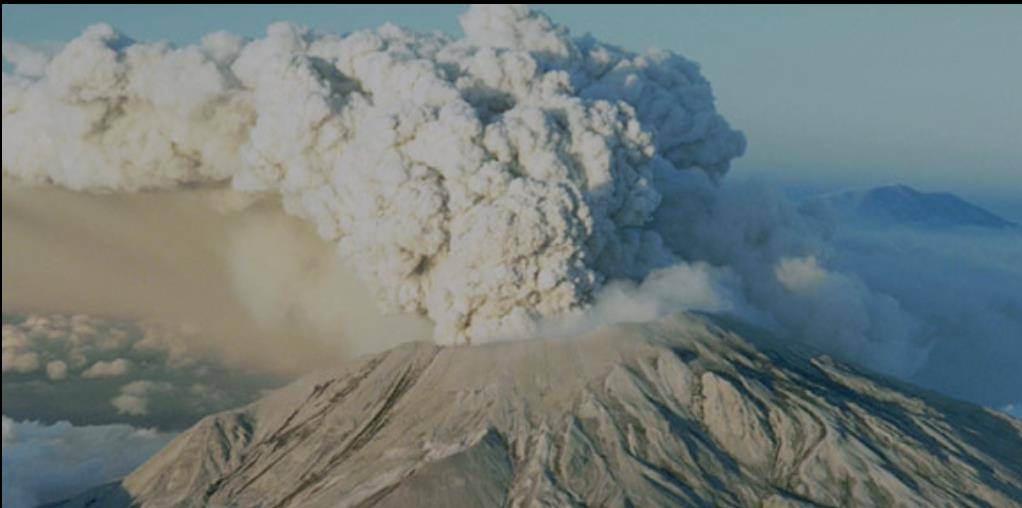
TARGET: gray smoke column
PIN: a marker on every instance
(486, 182)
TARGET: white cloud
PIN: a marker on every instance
(143, 357)
(1013, 409)
(134, 397)
(45, 463)
(26, 61)
(17, 354)
(20, 362)
(56, 370)
(799, 274)
(112, 368)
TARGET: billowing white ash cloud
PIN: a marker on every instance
(744, 250)
(490, 182)
(485, 181)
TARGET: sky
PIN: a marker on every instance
(829, 96)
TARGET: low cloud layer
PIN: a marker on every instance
(91, 370)
(46, 463)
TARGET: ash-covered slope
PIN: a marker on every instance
(674, 412)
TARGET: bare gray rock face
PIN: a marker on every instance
(681, 411)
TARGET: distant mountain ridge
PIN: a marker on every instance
(903, 205)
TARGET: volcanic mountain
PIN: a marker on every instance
(904, 206)
(689, 410)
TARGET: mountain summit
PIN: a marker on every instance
(679, 411)
(903, 205)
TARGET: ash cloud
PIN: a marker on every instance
(515, 177)
(484, 182)
(964, 287)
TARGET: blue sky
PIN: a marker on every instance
(828, 96)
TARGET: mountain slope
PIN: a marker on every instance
(903, 205)
(674, 412)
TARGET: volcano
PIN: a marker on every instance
(688, 410)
